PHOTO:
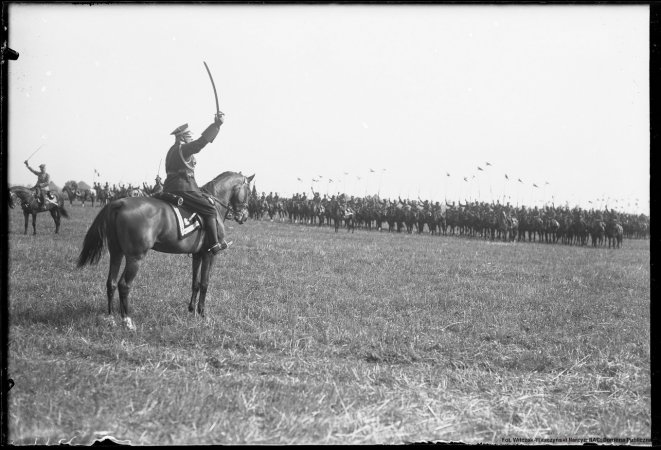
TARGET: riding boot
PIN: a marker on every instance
(212, 236)
(221, 234)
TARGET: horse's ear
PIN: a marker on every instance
(250, 178)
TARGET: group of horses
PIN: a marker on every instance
(103, 196)
(130, 226)
(487, 221)
(55, 201)
(311, 212)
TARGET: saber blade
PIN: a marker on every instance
(34, 152)
(215, 94)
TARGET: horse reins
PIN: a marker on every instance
(227, 207)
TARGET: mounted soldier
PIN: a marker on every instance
(42, 186)
(612, 215)
(315, 196)
(180, 168)
(158, 187)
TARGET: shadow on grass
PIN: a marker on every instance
(54, 315)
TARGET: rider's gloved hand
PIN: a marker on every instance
(219, 118)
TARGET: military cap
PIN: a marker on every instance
(42, 166)
(180, 130)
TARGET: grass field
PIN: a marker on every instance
(324, 338)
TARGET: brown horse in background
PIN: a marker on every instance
(30, 206)
(132, 226)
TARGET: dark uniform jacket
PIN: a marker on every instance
(180, 166)
(180, 163)
(43, 179)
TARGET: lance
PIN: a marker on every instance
(33, 153)
(214, 87)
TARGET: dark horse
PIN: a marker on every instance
(81, 194)
(344, 213)
(131, 226)
(30, 206)
(508, 226)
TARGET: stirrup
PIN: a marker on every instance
(215, 249)
(218, 247)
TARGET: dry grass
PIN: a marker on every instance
(324, 338)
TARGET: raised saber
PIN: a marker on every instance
(33, 153)
(214, 87)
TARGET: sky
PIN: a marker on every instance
(395, 100)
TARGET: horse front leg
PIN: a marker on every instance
(34, 223)
(195, 289)
(124, 287)
(56, 218)
(207, 265)
(26, 216)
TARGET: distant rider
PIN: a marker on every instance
(43, 181)
(158, 187)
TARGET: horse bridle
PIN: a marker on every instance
(236, 211)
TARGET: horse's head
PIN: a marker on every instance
(240, 197)
(234, 189)
(24, 194)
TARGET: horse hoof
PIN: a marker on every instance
(129, 323)
(106, 320)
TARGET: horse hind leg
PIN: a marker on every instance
(195, 289)
(116, 258)
(124, 287)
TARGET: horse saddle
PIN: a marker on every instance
(48, 196)
(187, 221)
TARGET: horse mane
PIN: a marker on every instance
(21, 189)
(208, 187)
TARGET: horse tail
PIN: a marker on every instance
(63, 211)
(95, 239)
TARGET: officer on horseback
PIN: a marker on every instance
(43, 180)
(180, 168)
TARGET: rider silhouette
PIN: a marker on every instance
(180, 168)
(158, 187)
(43, 180)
